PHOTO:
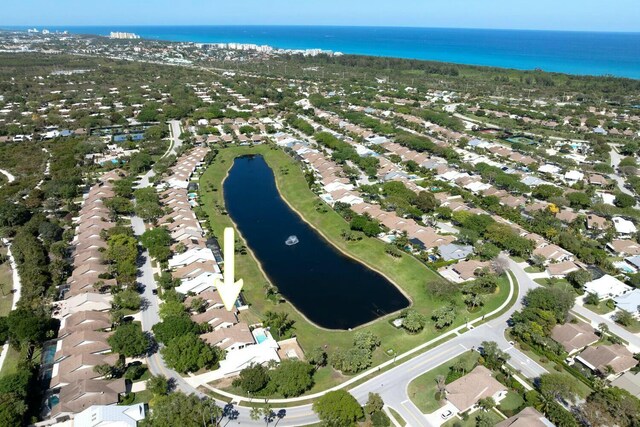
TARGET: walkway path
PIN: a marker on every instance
(17, 289)
(393, 384)
(8, 174)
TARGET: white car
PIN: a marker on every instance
(446, 414)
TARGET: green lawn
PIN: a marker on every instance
(407, 272)
(422, 390)
(533, 269)
(143, 396)
(601, 308)
(471, 421)
(11, 362)
(6, 284)
(511, 402)
(6, 299)
(397, 417)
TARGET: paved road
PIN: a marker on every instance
(595, 319)
(392, 384)
(615, 161)
(175, 131)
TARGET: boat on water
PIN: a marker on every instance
(291, 240)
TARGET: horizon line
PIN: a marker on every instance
(44, 26)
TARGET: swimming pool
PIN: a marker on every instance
(261, 335)
(48, 354)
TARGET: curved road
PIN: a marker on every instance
(392, 385)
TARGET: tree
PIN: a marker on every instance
(265, 412)
(413, 321)
(374, 404)
(366, 340)
(592, 298)
(174, 326)
(338, 409)
(128, 299)
(579, 200)
(352, 360)
(12, 409)
(557, 300)
(27, 327)
(559, 386)
(148, 210)
(158, 242)
(189, 353)
(579, 277)
(13, 214)
(178, 409)
(279, 322)
(426, 202)
(317, 356)
(158, 385)
(603, 328)
(493, 356)
(444, 316)
(611, 406)
(171, 308)
(484, 420)
(546, 191)
(487, 251)
(624, 200)
(623, 317)
(487, 403)
(130, 341)
(253, 378)
(292, 377)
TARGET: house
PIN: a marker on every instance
(607, 287)
(235, 337)
(633, 262)
(602, 358)
(452, 252)
(216, 318)
(561, 269)
(624, 247)
(83, 394)
(567, 215)
(466, 270)
(629, 302)
(528, 417)
(624, 227)
(598, 180)
(629, 381)
(595, 222)
(191, 256)
(84, 302)
(110, 415)
(553, 253)
(574, 336)
(573, 176)
(478, 384)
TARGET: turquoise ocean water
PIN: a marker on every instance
(589, 53)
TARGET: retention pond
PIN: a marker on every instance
(331, 289)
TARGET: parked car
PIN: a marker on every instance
(446, 414)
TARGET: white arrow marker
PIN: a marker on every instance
(228, 288)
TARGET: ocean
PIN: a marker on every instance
(584, 53)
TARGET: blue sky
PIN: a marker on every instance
(593, 15)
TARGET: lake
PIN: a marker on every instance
(330, 289)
